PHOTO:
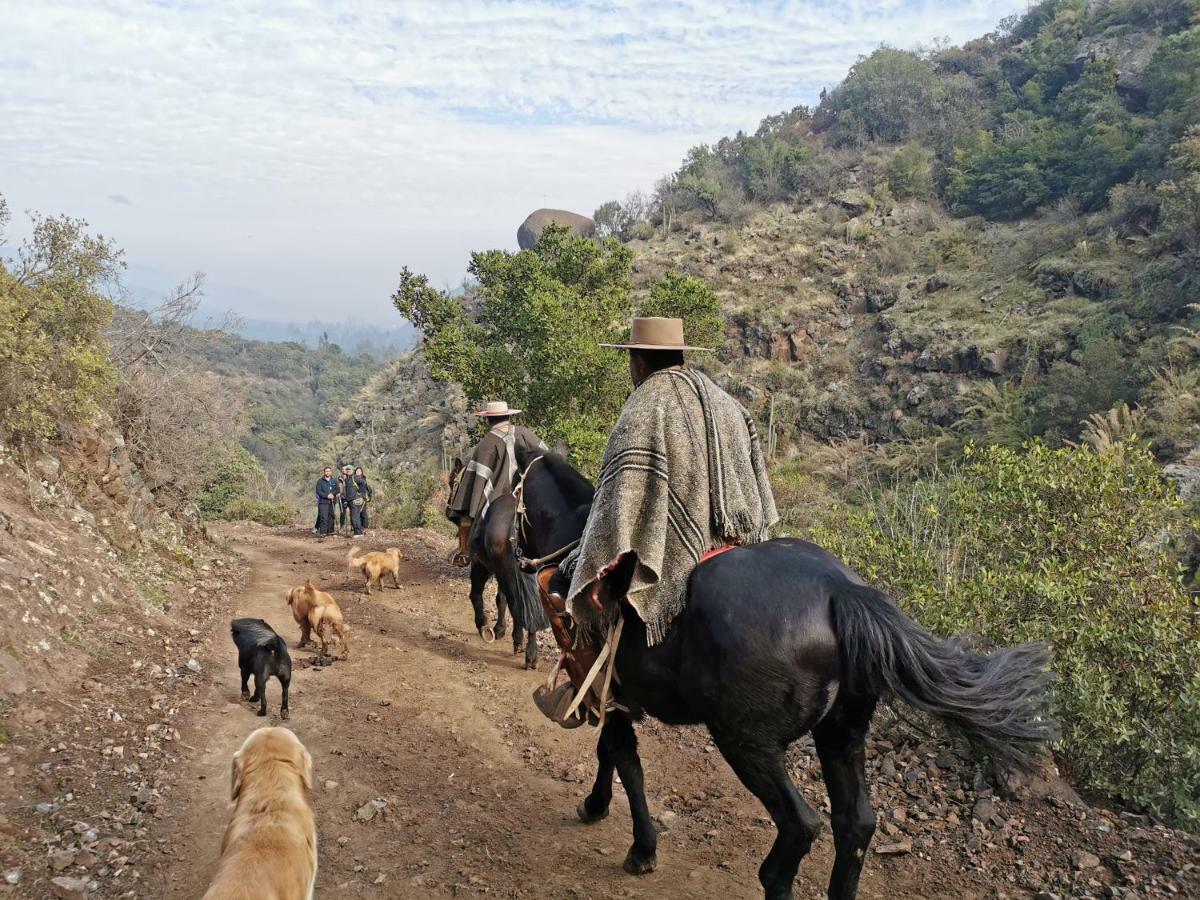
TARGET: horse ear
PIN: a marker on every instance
(560, 448)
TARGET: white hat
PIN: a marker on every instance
(495, 409)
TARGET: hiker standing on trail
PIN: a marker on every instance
(492, 471)
(683, 476)
(364, 491)
(327, 494)
(352, 501)
(344, 504)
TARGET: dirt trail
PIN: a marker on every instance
(479, 791)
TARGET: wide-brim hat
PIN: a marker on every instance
(654, 333)
(495, 409)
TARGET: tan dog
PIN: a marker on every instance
(317, 611)
(375, 565)
(270, 846)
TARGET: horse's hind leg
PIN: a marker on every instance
(618, 749)
(840, 738)
(762, 769)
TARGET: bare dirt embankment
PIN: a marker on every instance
(435, 776)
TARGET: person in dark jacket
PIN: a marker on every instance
(364, 491)
(352, 501)
(344, 504)
(327, 494)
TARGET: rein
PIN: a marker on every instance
(522, 522)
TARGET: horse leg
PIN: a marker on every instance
(501, 613)
(763, 770)
(621, 741)
(594, 806)
(840, 738)
(531, 649)
(479, 580)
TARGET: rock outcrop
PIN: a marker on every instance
(531, 228)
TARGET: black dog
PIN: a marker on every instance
(261, 652)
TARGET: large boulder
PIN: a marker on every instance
(531, 228)
(1130, 52)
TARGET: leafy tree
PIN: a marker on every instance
(887, 96)
(1173, 76)
(708, 182)
(608, 219)
(690, 299)
(1179, 196)
(542, 314)
(535, 340)
(56, 363)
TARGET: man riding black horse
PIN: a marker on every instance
(761, 643)
(683, 476)
(483, 507)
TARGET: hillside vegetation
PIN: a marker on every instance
(959, 294)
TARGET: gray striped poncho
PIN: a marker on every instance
(491, 471)
(683, 473)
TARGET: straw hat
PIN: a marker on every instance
(650, 333)
(496, 409)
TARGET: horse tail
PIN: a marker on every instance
(998, 700)
(523, 599)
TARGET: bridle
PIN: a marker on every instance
(521, 524)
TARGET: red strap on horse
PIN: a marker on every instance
(716, 551)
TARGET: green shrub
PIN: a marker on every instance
(407, 502)
(56, 362)
(909, 173)
(235, 478)
(265, 512)
(1074, 548)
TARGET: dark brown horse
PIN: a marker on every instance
(779, 639)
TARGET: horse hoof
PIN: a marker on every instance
(586, 817)
(261, 712)
(245, 695)
(531, 664)
(637, 865)
(283, 714)
(488, 633)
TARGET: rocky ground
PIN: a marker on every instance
(436, 776)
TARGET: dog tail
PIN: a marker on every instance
(352, 559)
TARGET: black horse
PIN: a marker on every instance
(779, 639)
(493, 554)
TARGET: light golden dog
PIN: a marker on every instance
(375, 565)
(317, 611)
(270, 847)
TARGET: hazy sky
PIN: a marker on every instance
(307, 151)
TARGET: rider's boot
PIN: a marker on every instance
(462, 556)
(577, 656)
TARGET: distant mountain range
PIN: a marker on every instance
(250, 314)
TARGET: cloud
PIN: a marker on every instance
(120, 198)
(310, 151)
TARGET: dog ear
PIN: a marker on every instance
(235, 777)
(306, 771)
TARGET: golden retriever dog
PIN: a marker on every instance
(317, 612)
(375, 565)
(270, 847)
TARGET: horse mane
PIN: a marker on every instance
(576, 489)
